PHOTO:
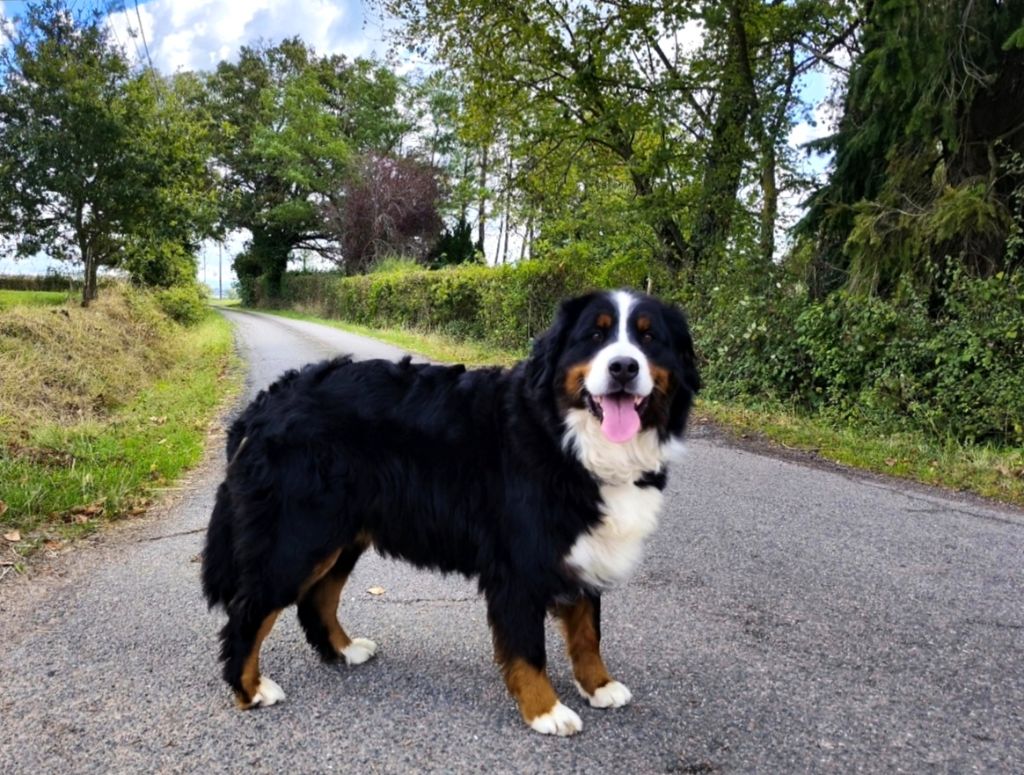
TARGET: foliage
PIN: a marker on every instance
(184, 304)
(680, 105)
(93, 156)
(288, 125)
(389, 206)
(454, 246)
(923, 170)
(51, 281)
(883, 363)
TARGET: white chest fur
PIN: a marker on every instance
(607, 554)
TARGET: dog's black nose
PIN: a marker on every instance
(623, 369)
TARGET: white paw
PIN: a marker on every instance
(358, 651)
(560, 720)
(268, 693)
(611, 695)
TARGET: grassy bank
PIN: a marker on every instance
(102, 408)
(983, 470)
(9, 299)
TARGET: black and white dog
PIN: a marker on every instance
(541, 481)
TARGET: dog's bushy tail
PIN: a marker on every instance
(219, 577)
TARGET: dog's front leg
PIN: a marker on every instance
(518, 630)
(581, 623)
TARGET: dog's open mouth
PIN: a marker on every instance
(619, 414)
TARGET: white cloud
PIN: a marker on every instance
(197, 34)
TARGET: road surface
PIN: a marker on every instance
(786, 619)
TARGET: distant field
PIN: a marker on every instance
(10, 299)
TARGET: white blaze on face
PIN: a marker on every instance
(621, 420)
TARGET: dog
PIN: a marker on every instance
(542, 481)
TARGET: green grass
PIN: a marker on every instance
(983, 470)
(224, 302)
(64, 480)
(10, 299)
(435, 346)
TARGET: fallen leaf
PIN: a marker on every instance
(376, 590)
(15, 535)
(3, 508)
(91, 510)
(890, 461)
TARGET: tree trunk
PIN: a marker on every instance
(728, 149)
(482, 211)
(769, 205)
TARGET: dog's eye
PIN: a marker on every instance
(647, 337)
(597, 336)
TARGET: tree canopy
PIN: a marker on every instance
(96, 159)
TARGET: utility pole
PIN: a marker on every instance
(220, 270)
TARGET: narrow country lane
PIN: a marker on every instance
(785, 619)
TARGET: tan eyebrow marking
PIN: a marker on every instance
(643, 323)
(604, 320)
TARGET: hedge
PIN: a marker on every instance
(950, 365)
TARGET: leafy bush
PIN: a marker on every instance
(185, 304)
(950, 365)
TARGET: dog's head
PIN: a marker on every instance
(625, 359)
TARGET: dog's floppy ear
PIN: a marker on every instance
(548, 346)
(689, 376)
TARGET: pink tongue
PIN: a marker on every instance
(621, 421)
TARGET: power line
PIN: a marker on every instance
(142, 32)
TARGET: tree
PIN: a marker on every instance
(389, 208)
(289, 125)
(93, 156)
(597, 95)
(928, 154)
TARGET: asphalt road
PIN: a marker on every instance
(786, 619)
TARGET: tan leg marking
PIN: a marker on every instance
(583, 645)
(251, 667)
(319, 571)
(325, 597)
(530, 687)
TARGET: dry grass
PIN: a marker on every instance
(99, 409)
(65, 364)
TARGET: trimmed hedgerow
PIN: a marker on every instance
(950, 364)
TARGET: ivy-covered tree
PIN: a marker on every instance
(929, 153)
(94, 157)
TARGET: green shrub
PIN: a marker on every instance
(185, 304)
(951, 366)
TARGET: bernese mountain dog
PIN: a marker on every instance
(541, 481)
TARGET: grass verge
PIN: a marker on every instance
(435, 346)
(61, 480)
(991, 472)
(9, 299)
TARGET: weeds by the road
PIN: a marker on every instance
(101, 408)
(984, 470)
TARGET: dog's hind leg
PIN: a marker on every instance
(581, 623)
(241, 639)
(318, 611)
(518, 631)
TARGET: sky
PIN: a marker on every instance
(197, 34)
